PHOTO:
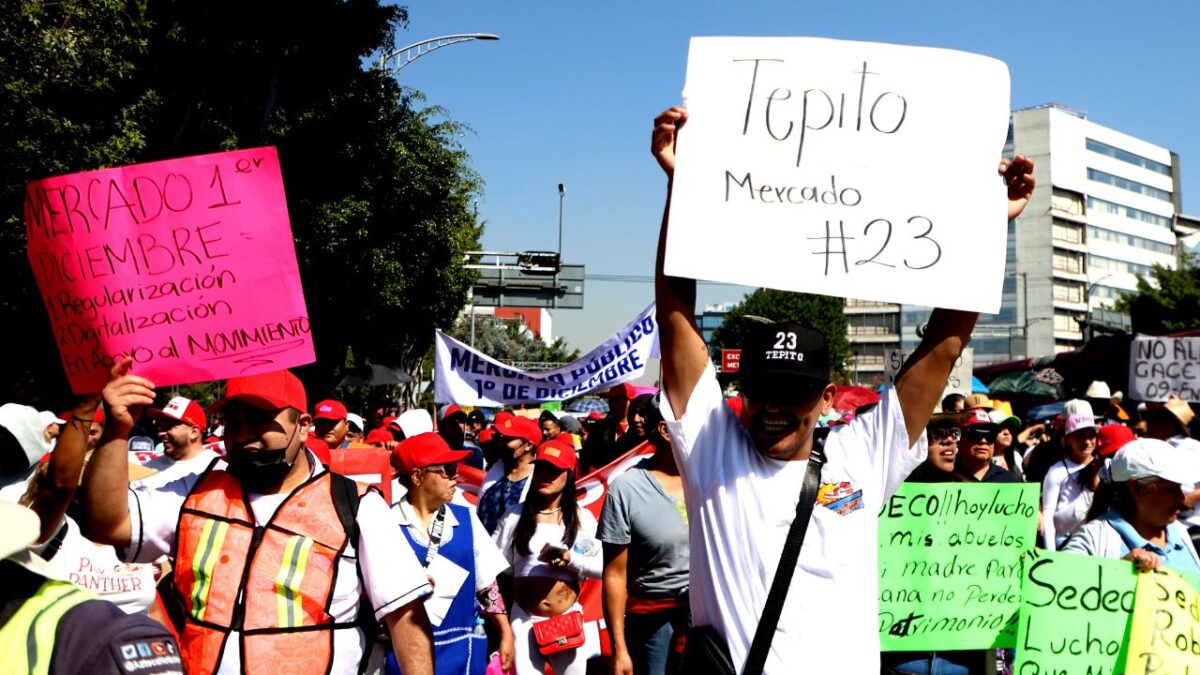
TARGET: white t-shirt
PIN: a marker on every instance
(97, 568)
(1065, 502)
(391, 573)
(587, 559)
(740, 506)
(167, 469)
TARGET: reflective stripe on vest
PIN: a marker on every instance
(272, 584)
(27, 640)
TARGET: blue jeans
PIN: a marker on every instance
(650, 637)
(930, 664)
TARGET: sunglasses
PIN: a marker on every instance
(787, 396)
(979, 435)
(942, 435)
(449, 469)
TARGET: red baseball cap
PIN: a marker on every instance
(388, 421)
(330, 410)
(98, 418)
(423, 450)
(558, 454)
(519, 427)
(268, 391)
(181, 409)
(379, 436)
(1113, 437)
(980, 418)
(502, 417)
(624, 390)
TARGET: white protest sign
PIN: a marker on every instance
(468, 377)
(1162, 366)
(959, 381)
(854, 169)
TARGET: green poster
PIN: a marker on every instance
(1076, 611)
(950, 564)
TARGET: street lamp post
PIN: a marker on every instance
(395, 61)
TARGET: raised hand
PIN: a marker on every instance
(124, 397)
(662, 141)
(1018, 176)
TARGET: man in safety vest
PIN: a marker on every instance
(273, 552)
(52, 626)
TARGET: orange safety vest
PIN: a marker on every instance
(273, 585)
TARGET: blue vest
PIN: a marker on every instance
(459, 648)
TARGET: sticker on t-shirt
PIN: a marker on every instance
(585, 545)
(149, 656)
(841, 498)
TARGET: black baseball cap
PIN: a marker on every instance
(783, 362)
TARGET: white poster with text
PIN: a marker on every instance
(854, 169)
(1162, 367)
(469, 377)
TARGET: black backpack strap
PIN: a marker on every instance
(769, 620)
(345, 501)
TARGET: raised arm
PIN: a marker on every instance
(684, 354)
(106, 480)
(922, 379)
(54, 494)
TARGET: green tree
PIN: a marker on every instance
(1167, 301)
(821, 312)
(378, 184)
(509, 341)
(70, 99)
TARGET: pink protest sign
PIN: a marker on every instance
(187, 265)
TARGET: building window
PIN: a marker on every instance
(1126, 184)
(1100, 234)
(1067, 232)
(1103, 206)
(1068, 292)
(1126, 156)
(1065, 323)
(1068, 262)
(1098, 263)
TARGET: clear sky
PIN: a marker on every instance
(569, 93)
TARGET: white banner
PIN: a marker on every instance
(1162, 366)
(854, 169)
(469, 377)
(959, 381)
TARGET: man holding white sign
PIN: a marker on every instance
(742, 476)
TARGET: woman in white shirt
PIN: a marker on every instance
(1069, 486)
(552, 546)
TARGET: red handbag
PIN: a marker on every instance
(560, 633)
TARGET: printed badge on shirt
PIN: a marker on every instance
(149, 656)
(841, 498)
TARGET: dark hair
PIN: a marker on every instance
(952, 400)
(526, 524)
(653, 416)
(547, 415)
(641, 405)
(1111, 495)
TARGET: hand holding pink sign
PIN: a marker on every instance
(186, 265)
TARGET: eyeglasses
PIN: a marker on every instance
(449, 469)
(951, 435)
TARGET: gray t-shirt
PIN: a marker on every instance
(639, 513)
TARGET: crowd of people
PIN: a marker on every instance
(261, 534)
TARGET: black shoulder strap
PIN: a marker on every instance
(345, 502)
(769, 620)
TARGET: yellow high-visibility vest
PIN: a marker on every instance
(27, 640)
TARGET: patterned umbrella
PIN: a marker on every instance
(586, 405)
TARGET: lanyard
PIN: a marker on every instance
(435, 535)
